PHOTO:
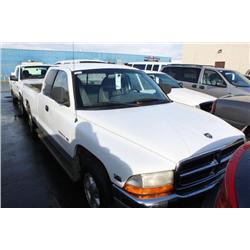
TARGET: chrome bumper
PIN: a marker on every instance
(124, 199)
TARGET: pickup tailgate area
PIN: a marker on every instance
(30, 97)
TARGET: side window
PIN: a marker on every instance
(175, 72)
(212, 78)
(140, 66)
(156, 67)
(149, 67)
(191, 74)
(49, 81)
(17, 73)
(60, 91)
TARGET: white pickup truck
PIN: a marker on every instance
(25, 73)
(113, 129)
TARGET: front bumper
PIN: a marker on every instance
(124, 199)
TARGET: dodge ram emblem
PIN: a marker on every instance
(208, 135)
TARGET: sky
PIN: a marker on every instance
(173, 50)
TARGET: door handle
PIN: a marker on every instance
(202, 87)
(47, 108)
(194, 86)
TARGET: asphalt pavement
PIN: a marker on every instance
(30, 176)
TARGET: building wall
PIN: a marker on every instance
(12, 57)
(236, 56)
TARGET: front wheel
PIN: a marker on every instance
(96, 185)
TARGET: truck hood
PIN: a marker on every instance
(189, 97)
(172, 131)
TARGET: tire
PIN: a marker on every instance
(21, 107)
(96, 184)
(32, 126)
(14, 99)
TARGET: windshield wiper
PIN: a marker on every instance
(148, 100)
(111, 104)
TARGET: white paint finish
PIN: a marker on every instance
(189, 97)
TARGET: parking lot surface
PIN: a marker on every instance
(31, 177)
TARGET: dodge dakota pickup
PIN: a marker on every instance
(25, 73)
(114, 131)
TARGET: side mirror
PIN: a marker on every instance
(13, 77)
(165, 88)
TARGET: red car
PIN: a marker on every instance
(235, 189)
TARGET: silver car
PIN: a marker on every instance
(209, 80)
(235, 110)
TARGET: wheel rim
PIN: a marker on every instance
(91, 191)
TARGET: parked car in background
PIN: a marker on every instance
(113, 129)
(25, 73)
(148, 65)
(235, 190)
(183, 95)
(247, 75)
(210, 80)
(235, 110)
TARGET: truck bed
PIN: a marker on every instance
(37, 87)
(30, 97)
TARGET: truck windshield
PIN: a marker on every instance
(115, 88)
(33, 72)
(164, 79)
(235, 78)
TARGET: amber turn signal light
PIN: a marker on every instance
(147, 193)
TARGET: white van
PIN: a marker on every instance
(148, 65)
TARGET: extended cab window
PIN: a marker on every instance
(49, 81)
(212, 78)
(60, 91)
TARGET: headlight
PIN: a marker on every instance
(151, 185)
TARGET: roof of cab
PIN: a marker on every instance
(87, 66)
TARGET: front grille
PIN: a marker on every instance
(206, 106)
(198, 172)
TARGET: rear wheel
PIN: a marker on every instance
(31, 123)
(21, 107)
(14, 99)
(96, 184)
